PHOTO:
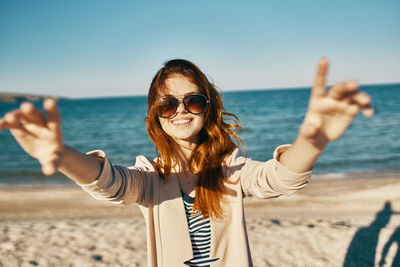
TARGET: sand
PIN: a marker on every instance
(330, 223)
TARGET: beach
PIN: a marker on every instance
(336, 222)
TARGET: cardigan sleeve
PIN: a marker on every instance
(120, 185)
(266, 179)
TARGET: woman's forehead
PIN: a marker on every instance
(179, 85)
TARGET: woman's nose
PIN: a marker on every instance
(181, 108)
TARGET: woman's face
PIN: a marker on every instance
(183, 127)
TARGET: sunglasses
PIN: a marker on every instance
(194, 103)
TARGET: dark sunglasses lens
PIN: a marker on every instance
(167, 107)
(196, 104)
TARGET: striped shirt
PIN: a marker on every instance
(200, 235)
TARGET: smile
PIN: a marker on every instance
(181, 121)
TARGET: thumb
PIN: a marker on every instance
(310, 126)
(48, 168)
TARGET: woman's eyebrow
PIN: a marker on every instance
(189, 93)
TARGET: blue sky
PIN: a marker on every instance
(100, 48)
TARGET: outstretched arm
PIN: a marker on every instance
(328, 116)
(41, 138)
(395, 236)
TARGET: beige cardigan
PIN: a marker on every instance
(168, 240)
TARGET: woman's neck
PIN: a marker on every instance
(184, 151)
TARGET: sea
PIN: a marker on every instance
(116, 125)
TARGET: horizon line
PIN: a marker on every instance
(21, 94)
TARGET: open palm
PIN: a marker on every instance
(40, 137)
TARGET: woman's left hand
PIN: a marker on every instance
(330, 112)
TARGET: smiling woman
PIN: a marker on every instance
(182, 125)
(201, 137)
(191, 194)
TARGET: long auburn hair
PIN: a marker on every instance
(217, 139)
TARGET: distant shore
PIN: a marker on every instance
(19, 97)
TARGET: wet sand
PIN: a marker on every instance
(330, 223)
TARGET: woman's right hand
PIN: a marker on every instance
(38, 135)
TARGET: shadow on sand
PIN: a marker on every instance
(361, 251)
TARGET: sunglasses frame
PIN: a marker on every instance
(182, 100)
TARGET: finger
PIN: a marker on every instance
(4, 123)
(340, 91)
(368, 111)
(20, 133)
(308, 130)
(16, 128)
(361, 98)
(32, 114)
(48, 168)
(311, 126)
(319, 87)
(12, 119)
(17, 123)
(53, 115)
(352, 110)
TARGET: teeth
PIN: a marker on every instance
(180, 121)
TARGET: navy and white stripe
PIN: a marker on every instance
(200, 235)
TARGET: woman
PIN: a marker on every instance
(192, 194)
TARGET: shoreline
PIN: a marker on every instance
(357, 175)
(71, 202)
(60, 181)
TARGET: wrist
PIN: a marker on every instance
(316, 143)
(60, 155)
(310, 145)
(302, 155)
